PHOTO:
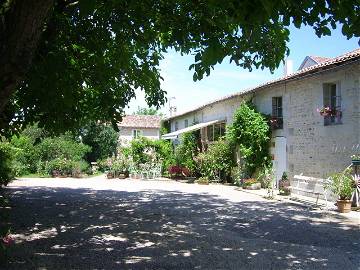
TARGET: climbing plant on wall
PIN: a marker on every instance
(250, 132)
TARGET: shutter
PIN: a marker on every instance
(327, 95)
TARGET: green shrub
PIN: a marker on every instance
(63, 147)
(186, 152)
(251, 133)
(6, 158)
(217, 162)
(342, 184)
(102, 139)
(143, 150)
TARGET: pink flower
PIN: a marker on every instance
(7, 240)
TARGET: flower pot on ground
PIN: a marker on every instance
(121, 176)
(344, 206)
(110, 175)
(343, 185)
(284, 185)
(202, 181)
(251, 184)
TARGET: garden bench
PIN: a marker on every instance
(310, 185)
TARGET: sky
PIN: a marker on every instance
(227, 78)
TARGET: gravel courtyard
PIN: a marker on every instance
(97, 223)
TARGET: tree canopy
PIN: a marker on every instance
(147, 111)
(83, 60)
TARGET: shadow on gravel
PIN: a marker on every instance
(61, 228)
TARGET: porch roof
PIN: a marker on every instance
(175, 134)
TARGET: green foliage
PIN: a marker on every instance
(6, 159)
(267, 179)
(250, 132)
(65, 167)
(342, 184)
(217, 162)
(33, 152)
(147, 111)
(203, 181)
(144, 150)
(106, 49)
(101, 138)
(63, 147)
(186, 152)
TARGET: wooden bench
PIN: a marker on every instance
(310, 185)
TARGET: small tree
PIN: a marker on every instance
(251, 133)
(186, 152)
(102, 138)
(217, 162)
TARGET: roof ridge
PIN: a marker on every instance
(304, 71)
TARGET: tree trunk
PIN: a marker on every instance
(21, 26)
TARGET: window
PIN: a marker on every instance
(176, 126)
(332, 100)
(136, 133)
(186, 123)
(219, 131)
(277, 113)
(215, 132)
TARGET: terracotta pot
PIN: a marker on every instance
(344, 206)
(203, 183)
(254, 186)
(121, 176)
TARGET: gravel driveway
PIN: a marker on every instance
(130, 224)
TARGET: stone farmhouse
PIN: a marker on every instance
(134, 126)
(304, 140)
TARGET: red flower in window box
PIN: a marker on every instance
(327, 111)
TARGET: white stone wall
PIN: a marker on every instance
(219, 111)
(126, 134)
(312, 148)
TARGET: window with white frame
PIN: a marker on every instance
(137, 133)
(176, 126)
(331, 111)
(186, 123)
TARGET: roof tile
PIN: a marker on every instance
(141, 121)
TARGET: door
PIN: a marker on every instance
(279, 158)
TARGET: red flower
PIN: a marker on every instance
(7, 240)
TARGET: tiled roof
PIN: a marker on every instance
(141, 121)
(319, 59)
(323, 66)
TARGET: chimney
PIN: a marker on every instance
(288, 67)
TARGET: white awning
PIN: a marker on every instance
(175, 134)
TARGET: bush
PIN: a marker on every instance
(186, 152)
(251, 133)
(144, 151)
(102, 139)
(6, 160)
(342, 184)
(202, 181)
(178, 171)
(62, 147)
(65, 167)
(217, 162)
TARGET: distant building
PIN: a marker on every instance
(135, 126)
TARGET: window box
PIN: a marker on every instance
(276, 123)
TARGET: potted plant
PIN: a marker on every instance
(251, 183)
(284, 185)
(202, 181)
(355, 160)
(342, 185)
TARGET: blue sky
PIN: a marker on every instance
(228, 78)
